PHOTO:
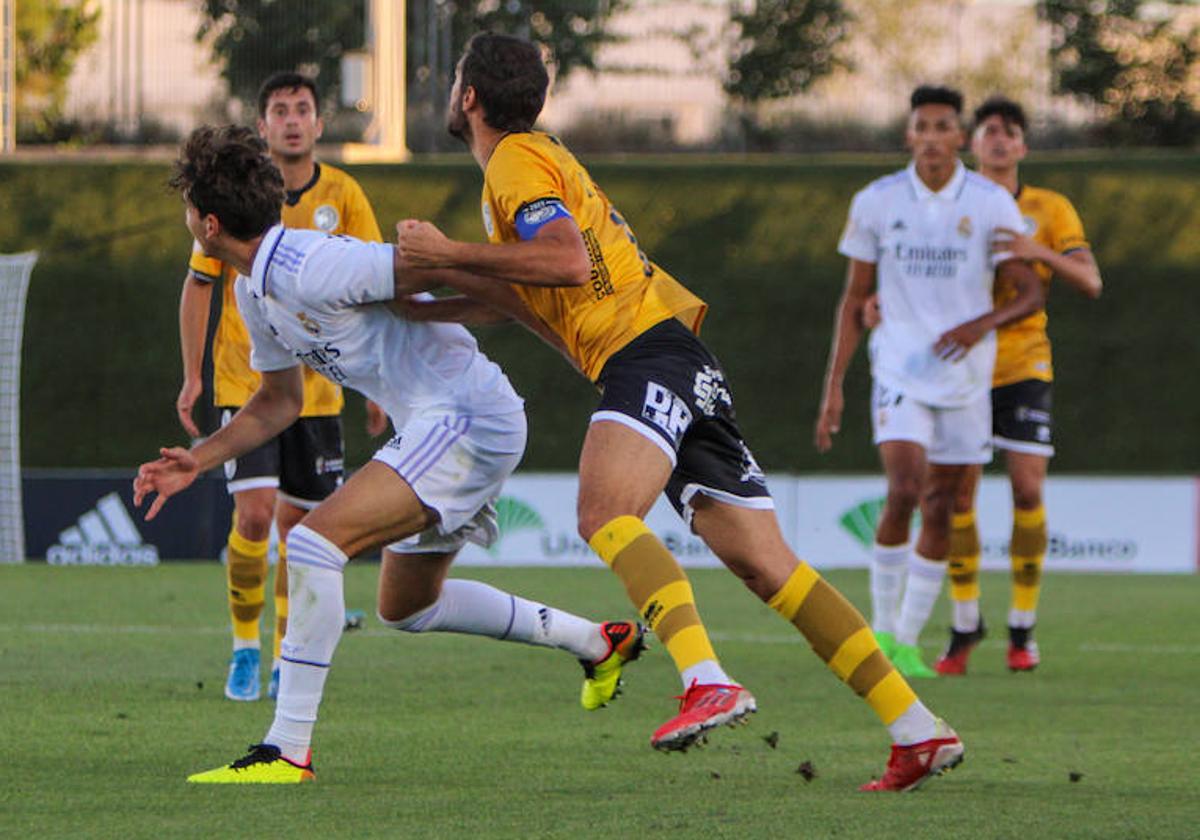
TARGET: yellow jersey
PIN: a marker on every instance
(1023, 347)
(532, 179)
(333, 202)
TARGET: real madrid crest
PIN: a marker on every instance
(964, 227)
(325, 218)
(488, 225)
(310, 326)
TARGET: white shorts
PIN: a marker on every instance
(961, 435)
(456, 464)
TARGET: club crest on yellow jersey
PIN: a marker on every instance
(326, 218)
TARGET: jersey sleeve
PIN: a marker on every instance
(1066, 233)
(348, 272)
(266, 351)
(204, 268)
(1005, 214)
(860, 239)
(360, 218)
(527, 189)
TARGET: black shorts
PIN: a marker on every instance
(1021, 417)
(666, 385)
(305, 462)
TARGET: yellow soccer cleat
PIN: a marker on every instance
(602, 678)
(263, 765)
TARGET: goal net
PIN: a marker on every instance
(14, 283)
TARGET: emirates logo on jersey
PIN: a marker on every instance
(325, 218)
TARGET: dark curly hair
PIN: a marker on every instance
(509, 78)
(227, 172)
(1010, 112)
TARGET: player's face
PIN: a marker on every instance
(997, 144)
(934, 135)
(456, 119)
(291, 125)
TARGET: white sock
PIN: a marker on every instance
(1022, 619)
(706, 672)
(915, 725)
(242, 644)
(966, 615)
(924, 586)
(315, 622)
(887, 582)
(468, 606)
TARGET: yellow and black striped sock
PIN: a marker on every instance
(657, 586)
(246, 573)
(840, 636)
(964, 557)
(1028, 552)
(281, 600)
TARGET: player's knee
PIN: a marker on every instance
(903, 496)
(254, 521)
(405, 617)
(592, 518)
(1027, 495)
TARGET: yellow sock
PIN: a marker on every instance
(246, 573)
(657, 586)
(1028, 554)
(840, 636)
(281, 600)
(964, 557)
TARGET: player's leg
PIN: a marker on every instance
(1027, 472)
(750, 543)
(966, 628)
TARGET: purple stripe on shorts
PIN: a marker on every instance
(434, 457)
(417, 450)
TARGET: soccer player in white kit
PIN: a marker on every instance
(929, 235)
(309, 297)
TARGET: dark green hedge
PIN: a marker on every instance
(756, 239)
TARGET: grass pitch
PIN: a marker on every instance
(110, 694)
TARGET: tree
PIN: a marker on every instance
(1134, 61)
(781, 47)
(50, 36)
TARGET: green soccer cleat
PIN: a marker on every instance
(908, 661)
(887, 643)
(602, 678)
(263, 765)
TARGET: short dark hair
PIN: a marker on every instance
(509, 78)
(1004, 108)
(226, 171)
(936, 95)
(286, 81)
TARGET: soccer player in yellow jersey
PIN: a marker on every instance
(1021, 418)
(292, 473)
(665, 420)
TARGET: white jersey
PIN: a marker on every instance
(321, 300)
(934, 270)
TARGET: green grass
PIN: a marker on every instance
(110, 694)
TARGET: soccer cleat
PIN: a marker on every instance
(263, 765)
(886, 642)
(908, 767)
(602, 678)
(273, 685)
(701, 708)
(908, 662)
(953, 661)
(242, 683)
(1024, 658)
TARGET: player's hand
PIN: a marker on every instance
(185, 402)
(953, 345)
(422, 245)
(829, 419)
(174, 471)
(377, 420)
(872, 314)
(1022, 247)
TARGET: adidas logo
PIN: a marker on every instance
(104, 536)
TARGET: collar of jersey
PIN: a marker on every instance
(946, 193)
(262, 261)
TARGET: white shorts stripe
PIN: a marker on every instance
(1028, 447)
(252, 483)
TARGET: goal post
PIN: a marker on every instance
(15, 270)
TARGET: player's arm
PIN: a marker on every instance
(847, 333)
(1077, 267)
(194, 303)
(273, 407)
(554, 256)
(953, 344)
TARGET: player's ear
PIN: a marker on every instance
(469, 98)
(261, 125)
(320, 128)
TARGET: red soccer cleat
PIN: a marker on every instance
(909, 767)
(1023, 658)
(701, 708)
(953, 662)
